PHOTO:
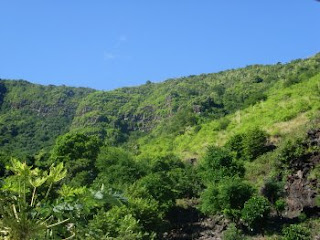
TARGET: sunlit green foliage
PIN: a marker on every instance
(25, 212)
(225, 191)
(291, 150)
(218, 164)
(168, 108)
(228, 197)
(34, 111)
(296, 232)
(132, 154)
(255, 212)
(232, 233)
(117, 167)
(118, 223)
(78, 152)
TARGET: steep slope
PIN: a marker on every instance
(172, 107)
(182, 115)
(271, 163)
(32, 116)
(284, 109)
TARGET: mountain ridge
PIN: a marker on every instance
(119, 113)
(182, 159)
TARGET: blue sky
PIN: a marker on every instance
(107, 44)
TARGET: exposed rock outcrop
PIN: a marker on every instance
(300, 189)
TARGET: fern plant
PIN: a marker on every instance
(25, 212)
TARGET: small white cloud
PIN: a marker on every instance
(122, 39)
(109, 56)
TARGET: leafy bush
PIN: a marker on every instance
(165, 164)
(218, 164)
(296, 232)
(254, 98)
(210, 202)
(234, 193)
(255, 212)
(223, 123)
(147, 212)
(159, 187)
(232, 233)
(291, 150)
(272, 190)
(248, 145)
(117, 168)
(117, 223)
(4, 161)
(78, 152)
(280, 206)
(254, 143)
(141, 216)
(302, 217)
(228, 196)
(181, 120)
(235, 145)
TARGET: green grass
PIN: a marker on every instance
(285, 106)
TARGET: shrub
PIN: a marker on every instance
(25, 202)
(78, 152)
(296, 232)
(302, 217)
(232, 233)
(272, 190)
(291, 150)
(210, 203)
(249, 145)
(4, 160)
(235, 145)
(234, 193)
(228, 197)
(159, 187)
(255, 212)
(280, 206)
(147, 212)
(218, 164)
(117, 168)
(166, 164)
(117, 223)
(254, 144)
(223, 123)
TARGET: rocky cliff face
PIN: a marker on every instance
(301, 189)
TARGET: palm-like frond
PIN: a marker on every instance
(56, 173)
(20, 169)
(37, 182)
(67, 191)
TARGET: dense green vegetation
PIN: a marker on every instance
(120, 164)
(32, 116)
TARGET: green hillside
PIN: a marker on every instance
(172, 109)
(237, 150)
(283, 110)
(32, 116)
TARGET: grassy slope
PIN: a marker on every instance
(159, 118)
(32, 116)
(145, 107)
(285, 109)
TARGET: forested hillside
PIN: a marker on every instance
(32, 116)
(229, 155)
(29, 111)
